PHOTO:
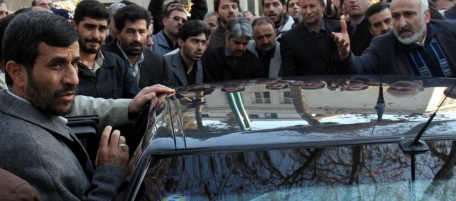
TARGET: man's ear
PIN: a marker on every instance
(165, 20)
(74, 24)
(180, 42)
(370, 30)
(226, 39)
(17, 73)
(117, 34)
(427, 15)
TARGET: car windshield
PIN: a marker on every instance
(370, 172)
(305, 138)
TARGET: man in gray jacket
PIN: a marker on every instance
(38, 147)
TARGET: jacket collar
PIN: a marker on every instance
(17, 108)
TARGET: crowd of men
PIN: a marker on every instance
(111, 61)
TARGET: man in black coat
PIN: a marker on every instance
(233, 61)
(358, 25)
(101, 74)
(147, 67)
(307, 49)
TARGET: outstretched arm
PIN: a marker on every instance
(343, 41)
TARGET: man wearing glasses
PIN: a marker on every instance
(165, 40)
(3, 9)
(43, 3)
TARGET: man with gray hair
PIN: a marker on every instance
(112, 25)
(234, 60)
(417, 45)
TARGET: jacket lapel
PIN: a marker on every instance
(30, 113)
(447, 41)
(276, 61)
(199, 72)
(178, 68)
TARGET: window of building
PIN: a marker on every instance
(261, 97)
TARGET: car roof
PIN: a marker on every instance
(203, 116)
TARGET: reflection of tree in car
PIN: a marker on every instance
(406, 89)
(246, 175)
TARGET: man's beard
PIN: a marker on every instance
(128, 48)
(40, 96)
(89, 50)
(415, 36)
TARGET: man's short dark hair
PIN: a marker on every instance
(27, 31)
(281, 1)
(172, 2)
(131, 13)
(92, 9)
(33, 3)
(217, 4)
(22, 10)
(376, 8)
(127, 3)
(263, 20)
(193, 28)
(168, 14)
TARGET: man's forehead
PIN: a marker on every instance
(53, 51)
(178, 13)
(242, 39)
(38, 2)
(272, 1)
(381, 14)
(263, 28)
(89, 20)
(227, 2)
(201, 36)
(405, 5)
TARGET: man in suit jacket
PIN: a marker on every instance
(38, 147)
(148, 68)
(358, 25)
(307, 49)
(165, 40)
(417, 46)
(224, 15)
(265, 46)
(185, 67)
(233, 61)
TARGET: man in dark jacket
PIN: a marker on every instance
(225, 10)
(308, 47)
(147, 67)
(358, 25)
(185, 67)
(234, 60)
(417, 45)
(101, 73)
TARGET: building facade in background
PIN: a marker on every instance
(251, 5)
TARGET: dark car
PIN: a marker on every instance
(303, 138)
